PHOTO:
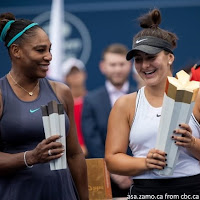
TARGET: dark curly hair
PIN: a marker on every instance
(16, 27)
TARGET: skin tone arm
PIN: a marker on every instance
(119, 124)
(75, 156)
(155, 159)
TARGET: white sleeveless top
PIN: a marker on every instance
(143, 135)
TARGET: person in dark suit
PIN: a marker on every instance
(97, 106)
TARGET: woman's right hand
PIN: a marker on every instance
(45, 151)
(156, 159)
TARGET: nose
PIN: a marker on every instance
(118, 68)
(145, 63)
(48, 56)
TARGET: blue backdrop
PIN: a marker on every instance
(105, 22)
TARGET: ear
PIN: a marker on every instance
(170, 58)
(15, 51)
(102, 67)
(85, 75)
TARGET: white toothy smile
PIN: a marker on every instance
(149, 72)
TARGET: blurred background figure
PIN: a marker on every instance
(74, 75)
(193, 69)
(85, 41)
(97, 106)
(195, 72)
(139, 81)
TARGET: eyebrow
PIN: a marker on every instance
(39, 46)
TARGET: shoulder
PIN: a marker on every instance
(132, 89)
(125, 107)
(196, 110)
(96, 93)
(1, 95)
(62, 91)
(126, 101)
(59, 86)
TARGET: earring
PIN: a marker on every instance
(170, 63)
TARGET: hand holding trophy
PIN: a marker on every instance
(179, 98)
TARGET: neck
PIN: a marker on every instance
(155, 94)
(117, 86)
(22, 78)
(29, 88)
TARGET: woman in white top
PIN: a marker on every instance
(135, 117)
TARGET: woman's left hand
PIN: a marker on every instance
(183, 136)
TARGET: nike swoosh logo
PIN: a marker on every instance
(138, 41)
(32, 111)
(158, 115)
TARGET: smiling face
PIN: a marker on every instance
(116, 68)
(34, 55)
(154, 69)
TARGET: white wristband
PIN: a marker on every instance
(29, 166)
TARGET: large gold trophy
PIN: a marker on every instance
(179, 98)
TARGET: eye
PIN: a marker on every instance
(138, 59)
(40, 50)
(112, 64)
(151, 57)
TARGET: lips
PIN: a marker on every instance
(44, 67)
(149, 72)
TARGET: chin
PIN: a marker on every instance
(42, 75)
(153, 83)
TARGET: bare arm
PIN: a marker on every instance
(119, 124)
(75, 156)
(117, 140)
